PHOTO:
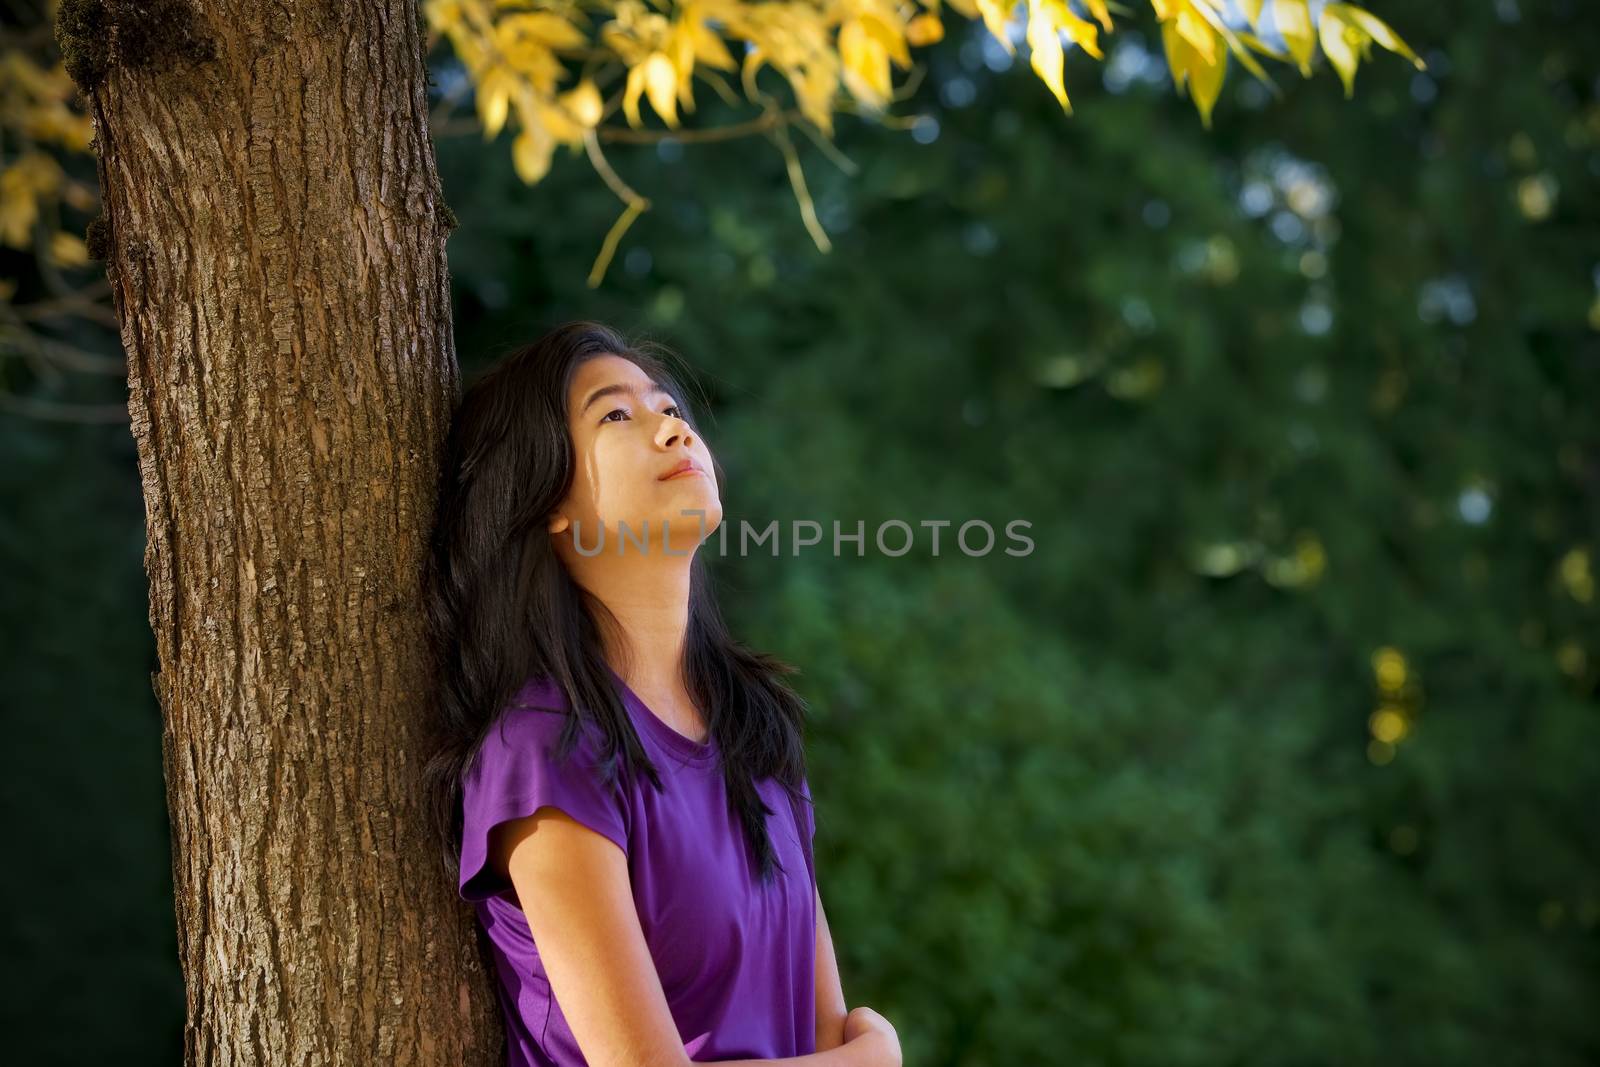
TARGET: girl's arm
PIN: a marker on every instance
(876, 1046)
(831, 1009)
(871, 1049)
(572, 885)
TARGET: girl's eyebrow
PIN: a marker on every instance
(619, 387)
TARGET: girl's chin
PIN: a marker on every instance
(691, 524)
(689, 491)
(685, 520)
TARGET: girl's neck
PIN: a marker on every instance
(649, 597)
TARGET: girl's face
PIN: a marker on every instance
(629, 438)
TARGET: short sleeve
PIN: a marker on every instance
(514, 774)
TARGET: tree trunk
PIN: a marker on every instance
(274, 232)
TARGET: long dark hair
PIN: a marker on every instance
(502, 608)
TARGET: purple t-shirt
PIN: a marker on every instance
(736, 958)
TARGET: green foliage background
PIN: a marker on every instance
(1105, 803)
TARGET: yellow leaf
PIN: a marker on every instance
(626, 47)
(894, 44)
(1205, 83)
(1294, 23)
(39, 171)
(661, 86)
(1083, 34)
(68, 250)
(21, 184)
(995, 15)
(530, 154)
(562, 126)
(1252, 12)
(1235, 45)
(1097, 8)
(1045, 51)
(924, 30)
(680, 49)
(1258, 45)
(1339, 43)
(865, 64)
(546, 27)
(1178, 54)
(66, 128)
(969, 8)
(18, 209)
(816, 90)
(630, 95)
(1191, 26)
(494, 100)
(442, 14)
(1373, 28)
(583, 103)
(710, 49)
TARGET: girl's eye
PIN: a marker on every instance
(675, 409)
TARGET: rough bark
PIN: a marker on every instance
(274, 232)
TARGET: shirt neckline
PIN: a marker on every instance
(686, 748)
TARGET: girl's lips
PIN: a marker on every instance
(686, 465)
(681, 473)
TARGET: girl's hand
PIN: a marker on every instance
(865, 1025)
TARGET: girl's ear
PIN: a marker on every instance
(558, 522)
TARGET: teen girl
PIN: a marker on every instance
(620, 784)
